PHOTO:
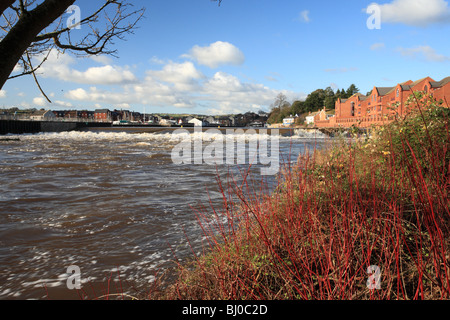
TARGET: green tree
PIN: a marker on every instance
(351, 90)
(340, 94)
(330, 99)
(298, 107)
(273, 117)
(315, 100)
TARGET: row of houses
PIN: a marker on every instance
(383, 104)
(310, 119)
(239, 120)
(131, 117)
(247, 119)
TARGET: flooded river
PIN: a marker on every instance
(107, 202)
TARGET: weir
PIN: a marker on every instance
(286, 132)
(32, 127)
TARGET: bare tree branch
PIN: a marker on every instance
(24, 35)
(4, 5)
(95, 43)
(35, 78)
(32, 28)
(50, 35)
(28, 67)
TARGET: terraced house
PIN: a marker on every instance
(383, 104)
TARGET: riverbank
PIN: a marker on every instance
(361, 220)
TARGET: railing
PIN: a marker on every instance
(366, 119)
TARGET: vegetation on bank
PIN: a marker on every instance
(315, 101)
(362, 219)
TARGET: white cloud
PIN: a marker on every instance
(123, 106)
(104, 75)
(272, 76)
(226, 107)
(167, 84)
(58, 66)
(40, 101)
(217, 54)
(167, 87)
(341, 70)
(415, 12)
(424, 52)
(227, 90)
(183, 76)
(304, 16)
(156, 60)
(224, 83)
(102, 59)
(377, 46)
(63, 104)
(78, 95)
(2, 93)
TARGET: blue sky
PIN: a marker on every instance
(195, 57)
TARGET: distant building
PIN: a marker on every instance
(289, 121)
(43, 115)
(59, 113)
(196, 122)
(165, 122)
(85, 115)
(211, 120)
(102, 115)
(226, 121)
(310, 118)
(383, 104)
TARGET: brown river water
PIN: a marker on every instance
(114, 204)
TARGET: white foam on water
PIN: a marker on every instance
(144, 139)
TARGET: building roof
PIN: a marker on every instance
(438, 84)
(382, 91)
(405, 87)
(415, 83)
(39, 112)
(360, 95)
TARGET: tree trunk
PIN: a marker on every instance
(24, 32)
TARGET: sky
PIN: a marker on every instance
(195, 57)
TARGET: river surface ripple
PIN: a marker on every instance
(109, 203)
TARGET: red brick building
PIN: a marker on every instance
(384, 103)
(102, 115)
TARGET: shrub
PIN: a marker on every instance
(375, 204)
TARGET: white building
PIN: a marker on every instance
(310, 119)
(289, 121)
(43, 115)
(196, 122)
